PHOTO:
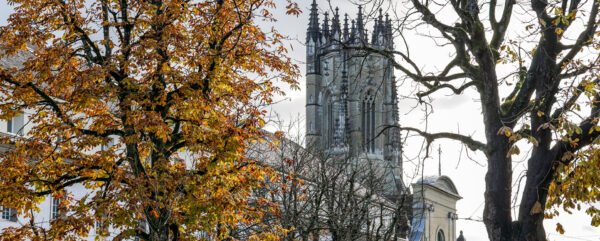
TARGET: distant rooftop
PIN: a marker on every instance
(443, 183)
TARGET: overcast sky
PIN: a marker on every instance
(451, 113)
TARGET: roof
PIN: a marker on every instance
(443, 183)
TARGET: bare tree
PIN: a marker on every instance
(550, 69)
(323, 195)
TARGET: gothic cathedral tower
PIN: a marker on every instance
(351, 98)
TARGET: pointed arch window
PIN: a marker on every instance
(330, 125)
(368, 122)
(310, 47)
(440, 236)
(327, 126)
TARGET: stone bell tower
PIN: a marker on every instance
(351, 97)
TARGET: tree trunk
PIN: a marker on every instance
(496, 213)
(159, 236)
(529, 226)
(498, 179)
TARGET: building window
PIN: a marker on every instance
(326, 68)
(368, 122)
(55, 211)
(310, 100)
(440, 236)
(9, 214)
(15, 125)
(330, 125)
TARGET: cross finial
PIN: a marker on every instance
(440, 161)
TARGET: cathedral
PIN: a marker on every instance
(351, 97)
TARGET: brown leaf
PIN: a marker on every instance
(536, 209)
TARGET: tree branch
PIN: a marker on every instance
(584, 37)
(473, 144)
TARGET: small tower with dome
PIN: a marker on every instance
(434, 209)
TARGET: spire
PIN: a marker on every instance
(379, 30)
(345, 31)
(380, 21)
(313, 23)
(335, 24)
(326, 27)
(389, 32)
(439, 160)
(352, 32)
(360, 24)
(388, 24)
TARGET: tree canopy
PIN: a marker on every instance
(178, 86)
(534, 68)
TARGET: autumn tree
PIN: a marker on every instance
(536, 75)
(177, 85)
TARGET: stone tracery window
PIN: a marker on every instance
(368, 122)
(330, 125)
(327, 127)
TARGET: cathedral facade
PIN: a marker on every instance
(351, 96)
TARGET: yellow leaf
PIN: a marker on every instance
(514, 150)
(536, 209)
(540, 113)
(533, 141)
(559, 228)
(505, 130)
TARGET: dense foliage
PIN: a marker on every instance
(176, 85)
